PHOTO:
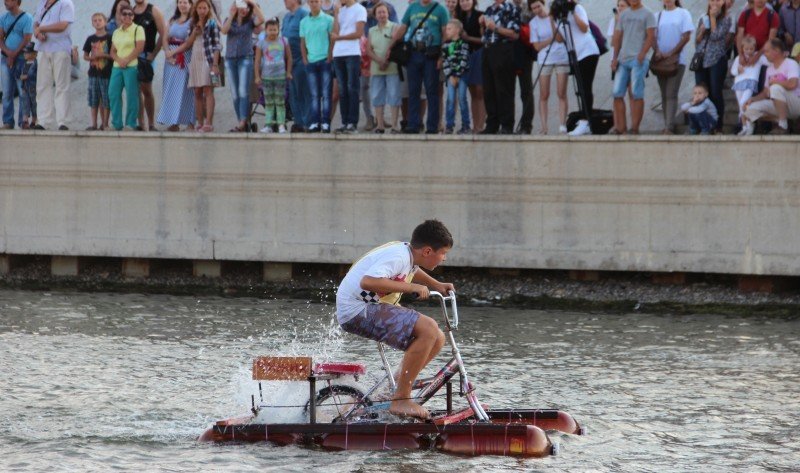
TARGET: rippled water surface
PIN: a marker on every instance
(94, 382)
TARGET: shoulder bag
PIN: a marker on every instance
(665, 66)
(697, 59)
(401, 51)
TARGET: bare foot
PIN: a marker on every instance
(407, 408)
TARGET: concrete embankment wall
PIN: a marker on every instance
(661, 204)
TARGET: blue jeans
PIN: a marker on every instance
(319, 82)
(348, 73)
(714, 78)
(418, 71)
(299, 94)
(10, 83)
(702, 123)
(450, 108)
(240, 78)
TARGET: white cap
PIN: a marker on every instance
(241, 4)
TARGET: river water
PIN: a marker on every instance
(95, 382)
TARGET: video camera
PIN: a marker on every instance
(560, 9)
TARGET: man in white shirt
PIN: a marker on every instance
(52, 29)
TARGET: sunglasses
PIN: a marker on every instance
(127, 13)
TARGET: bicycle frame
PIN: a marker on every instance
(429, 387)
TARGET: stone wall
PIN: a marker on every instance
(647, 203)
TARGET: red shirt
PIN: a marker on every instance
(758, 26)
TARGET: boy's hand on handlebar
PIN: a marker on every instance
(420, 291)
(445, 288)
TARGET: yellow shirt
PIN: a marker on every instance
(125, 42)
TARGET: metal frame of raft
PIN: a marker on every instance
(464, 438)
(474, 430)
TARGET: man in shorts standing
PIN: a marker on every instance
(367, 297)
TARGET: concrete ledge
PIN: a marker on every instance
(5, 264)
(277, 272)
(135, 268)
(206, 268)
(64, 266)
(648, 203)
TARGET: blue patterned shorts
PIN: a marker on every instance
(385, 323)
(98, 92)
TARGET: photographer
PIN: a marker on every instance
(580, 41)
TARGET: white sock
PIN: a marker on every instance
(783, 124)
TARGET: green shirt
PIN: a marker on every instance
(431, 31)
(380, 39)
(316, 30)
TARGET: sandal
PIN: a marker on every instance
(174, 128)
(91, 128)
(379, 131)
(207, 128)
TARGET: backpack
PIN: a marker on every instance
(602, 43)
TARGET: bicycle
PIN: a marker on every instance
(343, 403)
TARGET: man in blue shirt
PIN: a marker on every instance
(422, 66)
(16, 29)
(299, 92)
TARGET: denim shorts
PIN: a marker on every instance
(385, 90)
(385, 323)
(98, 92)
(634, 73)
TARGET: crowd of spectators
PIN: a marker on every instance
(439, 62)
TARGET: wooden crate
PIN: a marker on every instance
(282, 368)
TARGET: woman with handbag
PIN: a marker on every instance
(710, 61)
(674, 28)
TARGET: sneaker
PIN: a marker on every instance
(326, 128)
(297, 128)
(747, 130)
(266, 129)
(562, 129)
(350, 128)
(581, 129)
(465, 131)
(448, 130)
(411, 131)
(38, 127)
(63, 128)
(378, 131)
(779, 130)
(342, 129)
(314, 128)
(282, 129)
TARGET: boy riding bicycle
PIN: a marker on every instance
(367, 297)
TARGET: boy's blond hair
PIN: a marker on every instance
(105, 18)
(457, 23)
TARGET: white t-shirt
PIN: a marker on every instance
(348, 19)
(789, 69)
(585, 45)
(542, 30)
(392, 261)
(610, 30)
(670, 25)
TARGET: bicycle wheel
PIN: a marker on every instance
(335, 401)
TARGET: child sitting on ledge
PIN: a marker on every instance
(701, 111)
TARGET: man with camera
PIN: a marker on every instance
(424, 21)
(500, 25)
